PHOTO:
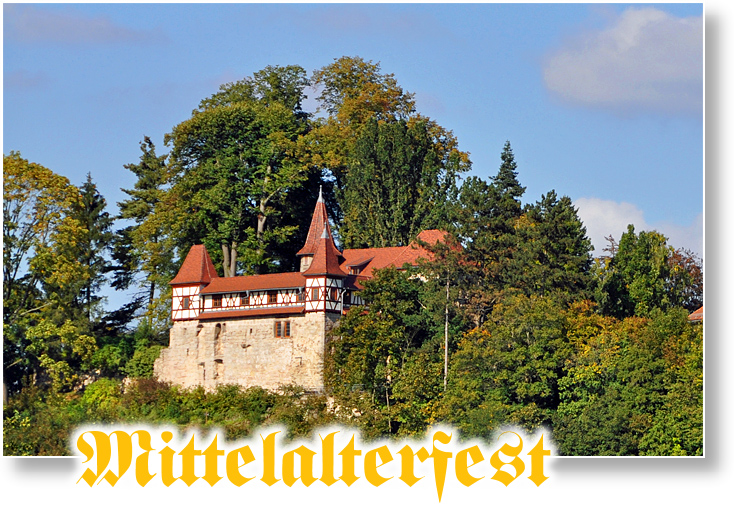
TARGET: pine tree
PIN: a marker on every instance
(554, 252)
(146, 246)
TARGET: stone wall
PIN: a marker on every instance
(246, 352)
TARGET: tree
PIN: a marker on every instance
(685, 279)
(36, 202)
(507, 371)
(94, 245)
(378, 358)
(273, 84)
(43, 337)
(146, 246)
(353, 91)
(401, 181)
(488, 215)
(635, 283)
(235, 164)
(554, 253)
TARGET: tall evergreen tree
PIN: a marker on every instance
(508, 188)
(95, 244)
(488, 216)
(554, 253)
(145, 246)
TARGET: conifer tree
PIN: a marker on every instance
(146, 246)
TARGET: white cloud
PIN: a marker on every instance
(648, 60)
(604, 218)
(31, 24)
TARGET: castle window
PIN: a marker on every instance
(301, 296)
(315, 296)
(347, 297)
(186, 303)
(244, 299)
(334, 294)
(217, 301)
(282, 329)
(272, 297)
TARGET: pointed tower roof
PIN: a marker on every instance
(320, 217)
(326, 257)
(197, 268)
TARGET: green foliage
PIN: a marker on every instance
(235, 165)
(633, 387)
(141, 364)
(507, 371)
(146, 248)
(400, 181)
(39, 423)
(636, 281)
(384, 366)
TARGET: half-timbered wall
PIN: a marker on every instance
(324, 294)
(253, 299)
(185, 302)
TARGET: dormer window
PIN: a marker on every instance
(355, 270)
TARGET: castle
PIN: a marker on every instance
(269, 330)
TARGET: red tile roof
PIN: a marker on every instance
(197, 268)
(255, 282)
(326, 257)
(320, 217)
(395, 256)
(696, 316)
(257, 312)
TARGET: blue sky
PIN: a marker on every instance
(603, 103)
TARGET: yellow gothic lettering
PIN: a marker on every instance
(327, 459)
(167, 455)
(233, 465)
(407, 465)
(462, 464)
(188, 454)
(440, 461)
(371, 466)
(536, 462)
(142, 469)
(289, 464)
(517, 463)
(348, 455)
(211, 466)
(269, 459)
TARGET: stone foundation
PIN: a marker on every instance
(246, 352)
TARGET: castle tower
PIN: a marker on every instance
(324, 277)
(319, 218)
(196, 272)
